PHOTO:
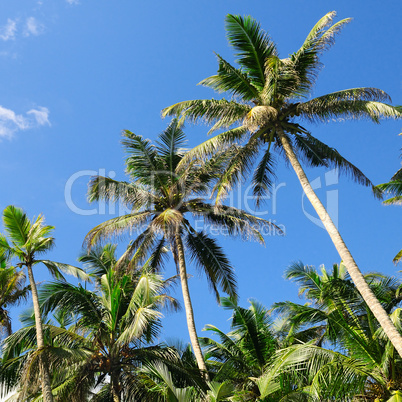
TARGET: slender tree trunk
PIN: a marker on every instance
(188, 307)
(44, 370)
(354, 271)
(115, 387)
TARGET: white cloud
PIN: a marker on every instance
(10, 122)
(9, 30)
(73, 1)
(41, 115)
(33, 27)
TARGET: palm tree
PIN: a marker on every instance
(160, 382)
(103, 336)
(244, 352)
(337, 316)
(12, 292)
(268, 97)
(26, 240)
(394, 187)
(162, 192)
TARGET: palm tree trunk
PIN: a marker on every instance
(44, 370)
(188, 307)
(114, 381)
(354, 271)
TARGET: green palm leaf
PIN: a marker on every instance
(55, 268)
(117, 226)
(16, 224)
(306, 60)
(263, 176)
(252, 46)
(211, 259)
(232, 80)
(316, 110)
(132, 196)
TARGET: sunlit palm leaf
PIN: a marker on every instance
(252, 46)
(232, 80)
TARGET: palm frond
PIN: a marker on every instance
(64, 296)
(393, 187)
(6, 250)
(99, 259)
(316, 153)
(224, 113)
(142, 162)
(55, 268)
(216, 144)
(235, 222)
(211, 260)
(398, 257)
(232, 80)
(252, 45)
(263, 176)
(158, 257)
(306, 60)
(138, 249)
(16, 224)
(131, 195)
(170, 146)
(220, 391)
(116, 227)
(239, 165)
(282, 80)
(398, 174)
(318, 110)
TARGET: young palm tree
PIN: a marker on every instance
(244, 352)
(394, 187)
(162, 387)
(160, 196)
(26, 240)
(105, 334)
(268, 100)
(336, 315)
(12, 292)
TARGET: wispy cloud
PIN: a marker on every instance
(73, 1)
(33, 27)
(11, 122)
(8, 31)
(41, 115)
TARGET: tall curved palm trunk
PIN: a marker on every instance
(269, 96)
(188, 306)
(354, 271)
(44, 370)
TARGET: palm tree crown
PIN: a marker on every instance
(162, 197)
(267, 101)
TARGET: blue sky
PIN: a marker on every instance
(76, 73)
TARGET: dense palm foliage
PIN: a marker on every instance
(336, 316)
(243, 353)
(105, 334)
(24, 242)
(99, 339)
(12, 292)
(160, 196)
(394, 187)
(268, 101)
